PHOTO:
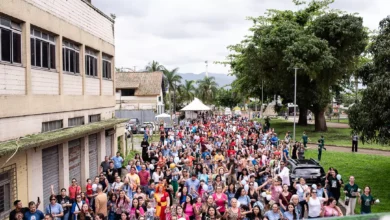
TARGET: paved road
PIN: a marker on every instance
(349, 150)
(329, 124)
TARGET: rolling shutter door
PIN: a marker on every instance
(93, 156)
(109, 146)
(50, 172)
(75, 160)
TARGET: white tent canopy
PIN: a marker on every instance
(196, 105)
(163, 115)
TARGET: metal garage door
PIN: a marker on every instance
(109, 145)
(50, 172)
(75, 160)
(93, 156)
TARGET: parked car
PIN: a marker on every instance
(133, 125)
(142, 128)
(309, 169)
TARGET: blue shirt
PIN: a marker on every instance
(204, 177)
(288, 216)
(54, 209)
(117, 161)
(38, 215)
(204, 154)
(192, 184)
(166, 152)
(272, 215)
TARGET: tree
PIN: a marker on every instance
(323, 44)
(207, 89)
(371, 117)
(154, 66)
(172, 80)
(187, 90)
(228, 98)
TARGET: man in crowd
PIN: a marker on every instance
(101, 201)
(105, 165)
(118, 162)
(33, 213)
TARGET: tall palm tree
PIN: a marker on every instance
(188, 90)
(172, 79)
(154, 66)
(207, 89)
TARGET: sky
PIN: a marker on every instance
(186, 33)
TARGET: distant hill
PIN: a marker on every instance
(221, 78)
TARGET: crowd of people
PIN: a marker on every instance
(214, 167)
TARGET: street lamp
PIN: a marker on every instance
(295, 98)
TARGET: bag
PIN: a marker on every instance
(346, 201)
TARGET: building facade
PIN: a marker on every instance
(57, 97)
(140, 91)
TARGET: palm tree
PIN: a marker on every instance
(187, 90)
(154, 66)
(207, 89)
(172, 79)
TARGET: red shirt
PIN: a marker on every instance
(143, 177)
(231, 152)
(89, 189)
(73, 191)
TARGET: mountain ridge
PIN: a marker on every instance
(220, 78)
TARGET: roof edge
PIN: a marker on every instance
(99, 11)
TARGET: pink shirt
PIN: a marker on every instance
(220, 202)
(275, 191)
(329, 211)
(189, 211)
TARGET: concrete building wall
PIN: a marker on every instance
(92, 86)
(108, 87)
(78, 13)
(15, 127)
(12, 80)
(73, 84)
(44, 82)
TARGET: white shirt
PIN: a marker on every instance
(315, 207)
(156, 177)
(284, 174)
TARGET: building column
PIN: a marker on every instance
(115, 144)
(26, 55)
(64, 165)
(82, 67)
(84, 161)
(101, 142)
(35, 175)
(100, 71)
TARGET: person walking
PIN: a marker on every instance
(305, 138)
(355, 139)
(320, 147)
(350, 190)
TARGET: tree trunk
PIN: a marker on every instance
(302, 116)
(320, 122)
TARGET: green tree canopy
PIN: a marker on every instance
(207, 89)
(228, 98)
(154, 66)
(371, 117)
(323, 44)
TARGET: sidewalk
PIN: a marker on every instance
(349, 150)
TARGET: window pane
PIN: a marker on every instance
(32, 48)
(71, 61)
(38, 52)
(63, 59)
(6, 45)
(86, 66)
(67, 60)
(52, 56)
(16, 50)
(90, 61)
(45, 54)
(109, 70)
(77, 63)
(95, 66)
(104, 69)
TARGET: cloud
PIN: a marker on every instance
(185, 33)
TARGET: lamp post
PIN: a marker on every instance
(262, 99)
(295, 98)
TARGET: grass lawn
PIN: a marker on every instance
(334, 136)
(369, 170)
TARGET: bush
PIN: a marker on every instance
(130, 157)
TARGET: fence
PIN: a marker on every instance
(142, 115)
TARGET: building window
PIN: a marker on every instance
(91, 63)
(106, 70)
(10, 41)
(159, 98)
(7, 190)
(94, 118)
(70, 57)
(75, 121)
(128, 92)
(52, 125)
(43, 49)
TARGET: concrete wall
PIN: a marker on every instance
(12, 80)
(73, 84)
(15, 127)
(108, 87)
(25, 90)
(44, 82)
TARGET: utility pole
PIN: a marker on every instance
(262, 98)
(207, 72)
(135, 68)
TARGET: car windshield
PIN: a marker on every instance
(307, 171)
(132, 121)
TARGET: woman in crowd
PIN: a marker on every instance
(189, 208)
(314, 203)
(331, 209)
(163, 201)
